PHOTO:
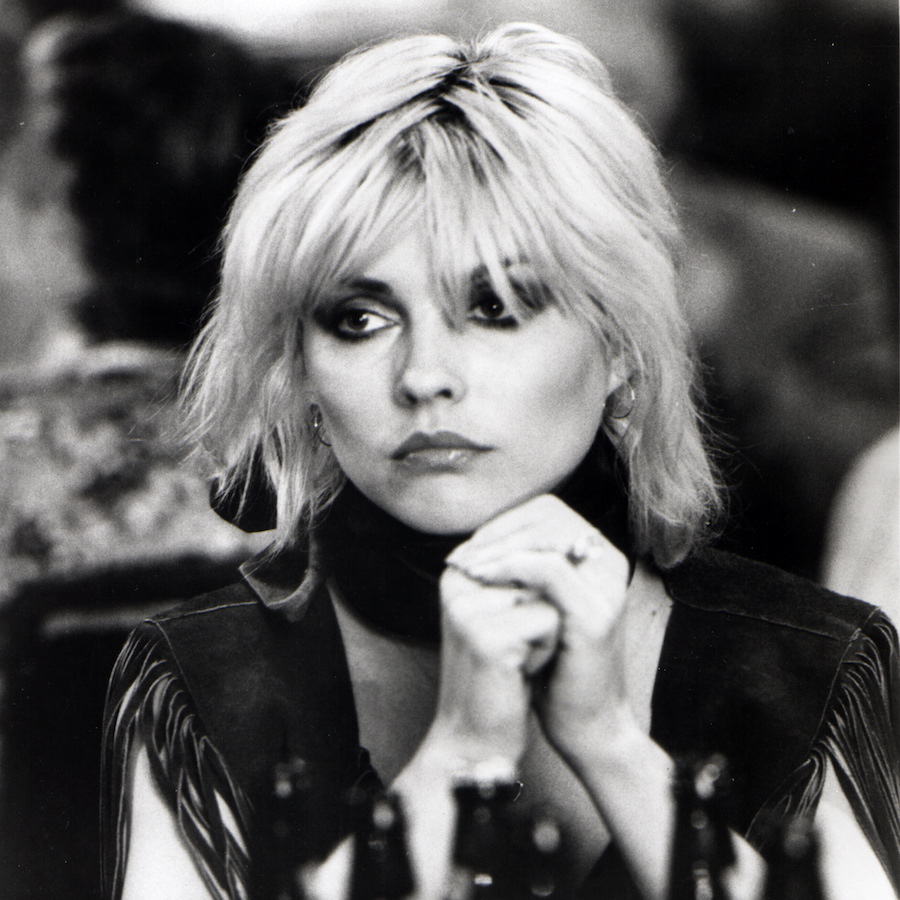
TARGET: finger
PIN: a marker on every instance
(466, 597)
(555, 527)
(547, 573)
(576, 546)
(518, 520)
(484, 609)
(542, 567)
(468, 600)
(534, 629)
(470, 597)
(527, 629)
(542, 649)
(584, 590)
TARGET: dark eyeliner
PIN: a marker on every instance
(333, 307)
(505, 322)
(483, 293)
(329, 316)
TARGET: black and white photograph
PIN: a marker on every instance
(449, 450)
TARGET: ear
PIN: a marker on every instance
(310, 397)
(621, 398)
(621, 374)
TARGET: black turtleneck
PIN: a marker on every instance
(389, 572)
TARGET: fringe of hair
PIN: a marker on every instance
(513, 145)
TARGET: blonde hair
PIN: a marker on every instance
(514, 143)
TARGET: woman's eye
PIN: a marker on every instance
(489, 309)
(354, 323)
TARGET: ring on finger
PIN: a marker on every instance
(584, 547)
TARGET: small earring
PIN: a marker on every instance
(619, 406)
(318, 426)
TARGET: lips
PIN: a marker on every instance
(439, 440)
(441, 451)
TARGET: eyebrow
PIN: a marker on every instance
(508, 262)
(369, 286)
(364, 283)
(382, 290)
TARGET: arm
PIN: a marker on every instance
(167, 796)
(158, 862)
(582, 702)
(628, 777)
(492, 639)
(850, 867)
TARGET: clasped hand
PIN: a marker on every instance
(532, 606)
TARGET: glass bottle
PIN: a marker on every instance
(381, 867)
(702, 848)
(482, 845)
(282, 843)
(793, 871)
(538, 861)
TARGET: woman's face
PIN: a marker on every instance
(442, 420)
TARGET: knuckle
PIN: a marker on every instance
(547, 617)
(548, 503)
(458, 609)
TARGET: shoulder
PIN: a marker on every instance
(779, 642)
(729, 586)
(758, 664)
(227, 648)
(254, 677)
(207, 614)
(208, 644)
(211, 607)
(208, 638)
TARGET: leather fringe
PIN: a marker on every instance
(148, 706)
(860, 737)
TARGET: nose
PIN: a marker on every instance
(431, 367)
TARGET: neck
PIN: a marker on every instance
(389, 573)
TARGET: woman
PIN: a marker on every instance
(447, 333)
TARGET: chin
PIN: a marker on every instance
(439, 520)
(448, 513)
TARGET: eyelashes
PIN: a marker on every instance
(488, 308)
(362, 316)
(354, 320)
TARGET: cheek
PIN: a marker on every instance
(567, 390)
(341, 405)
(344, 392)
(323, 371)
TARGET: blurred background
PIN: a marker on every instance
(123, 130)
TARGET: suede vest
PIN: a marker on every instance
(750, 666)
